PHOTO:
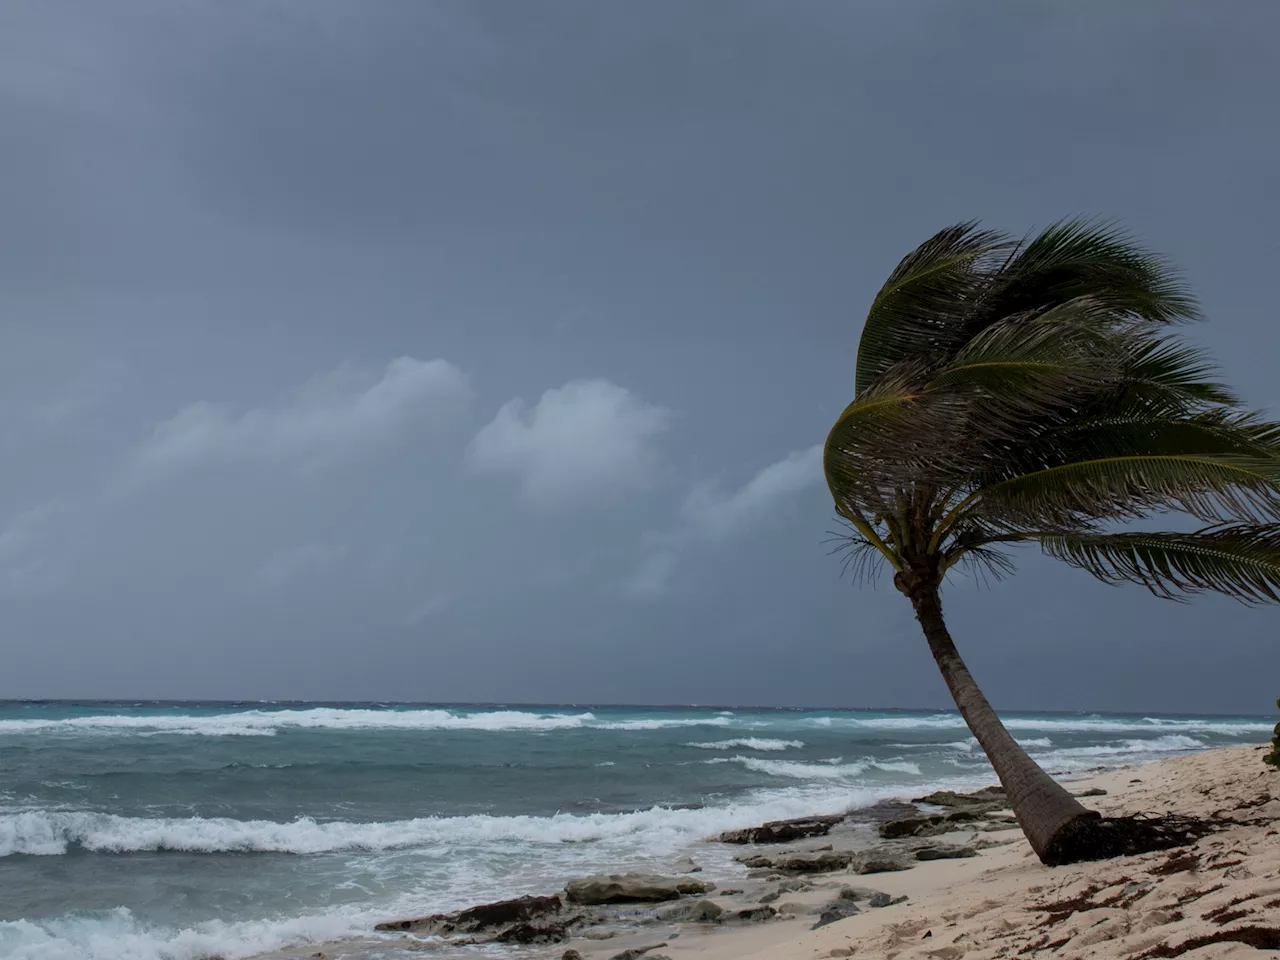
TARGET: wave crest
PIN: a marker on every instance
(749, 743)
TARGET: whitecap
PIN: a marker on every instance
(748, 743)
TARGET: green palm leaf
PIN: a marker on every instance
(1212, 486)
(1240, 560)
(918, 312)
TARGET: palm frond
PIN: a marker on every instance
(1239, 560)
(918, 312)
(860, 559)
(1080, 257)
(1214, 487)
(1166, 372)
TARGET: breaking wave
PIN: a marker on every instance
(55, 832)
(748, 743)
(822, 770)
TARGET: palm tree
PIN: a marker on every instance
(1013, 391)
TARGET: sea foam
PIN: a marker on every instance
(55, 832)
(748, 743)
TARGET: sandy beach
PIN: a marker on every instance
(1217, 898)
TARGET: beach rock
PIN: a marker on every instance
(837, 909)
(859, 893)
(730, 891)
(945, 851)
(884, 810)
(600, 934)
(634, 953)
(481, 918)
(809, 862)
(928, 825)
(695, 911)
(571, 954)
(1093, 792)
(769, 897)
(536, 931)
(991, 797)
(884, 900)
(792, 909)
(756, 914)
(783, 831)
(877, 862)
(632, 888)
(686, 865)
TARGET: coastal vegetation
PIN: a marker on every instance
(1036, 391)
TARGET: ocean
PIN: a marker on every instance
(174, 831)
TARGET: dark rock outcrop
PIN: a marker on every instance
(928, 825)
(813, 862)
(534, 916)
(991, 797)
(876, 861)
(632, 888)
(756, 914)
(695, 911)
(884, 900)
(783, 831)
(858, 893)
(837, 909)
(945, 851)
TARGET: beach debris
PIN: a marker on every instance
(1092, 792)
(793, 909)
(945, 851)
(695, 911)
(635, 953)
(525, 913)
(632, 888)
(837, 909)
(783, 831)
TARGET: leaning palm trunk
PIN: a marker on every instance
(1028, 392)
(1045, 810)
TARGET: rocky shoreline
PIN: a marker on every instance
(796, 870)
(944, 877)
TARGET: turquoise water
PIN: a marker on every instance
(177, 830)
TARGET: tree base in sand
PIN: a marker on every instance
(1101, 838)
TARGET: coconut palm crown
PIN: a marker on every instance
(1036, 391)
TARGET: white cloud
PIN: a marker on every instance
(717, 513)
(712, 514)
(586, 440)
(306, 560)
(330, 418)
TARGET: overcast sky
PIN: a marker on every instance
(480, 351)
